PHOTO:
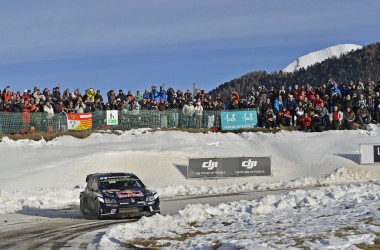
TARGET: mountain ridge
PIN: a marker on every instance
(320, 55)
(352, 66)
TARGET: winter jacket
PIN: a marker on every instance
(188, 110)
(340, 116)
(49, 110)
(349, 115)
(305, 121)
(362, 112)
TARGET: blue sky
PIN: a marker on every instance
(132, 45)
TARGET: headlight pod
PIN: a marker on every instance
(150, 198)
(108, 200)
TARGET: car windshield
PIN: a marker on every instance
(120, 183)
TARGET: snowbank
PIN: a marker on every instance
(315, 218)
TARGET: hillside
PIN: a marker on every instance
(359, 64)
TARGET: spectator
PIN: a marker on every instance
(305, 122)
(129, 95)
(317, 101)
(188, 112)
(145, 105)
(336, 118)
(38, 97)
(198, 111)
(66, 96)
(278, 104)
(146, 94)
(162, 105)
(348, 102)
(291, 105)
(270, 119)
(70, 109)
(363, 115)
(162, 94)
(138, 97)
(153, 105)
(89, 96)
(98, 105)
(310, 93)
(121, 95)
(266, 106)
(25, 95)
(154, 94)
(283, 117)
(99, 96)
(134, 107)
(188, 96)
(300, 111)
(80, 106)
(324, 116)
(56, 95)
(349, 118)
(28, 106)
(315, 122)
(47, 94)
(377, 106)
(170, 94)
(111, 96)
(59, 107)
(48, 109)
(361, 100)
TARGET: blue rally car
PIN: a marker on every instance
(117, 195)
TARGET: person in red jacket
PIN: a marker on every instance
(283, 117)
(305, 122)
(6, 95)
(317, 101)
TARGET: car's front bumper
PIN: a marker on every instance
(129, 210)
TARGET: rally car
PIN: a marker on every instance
(117, 195)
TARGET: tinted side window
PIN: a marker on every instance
(94, 183)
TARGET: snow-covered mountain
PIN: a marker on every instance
(320, 55)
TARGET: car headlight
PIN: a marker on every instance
(150, 198)
(108, 200)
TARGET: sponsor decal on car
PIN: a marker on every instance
(129, 193)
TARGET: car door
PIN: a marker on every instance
(91, 193)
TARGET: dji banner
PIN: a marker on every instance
(369, 153)
(229, 167)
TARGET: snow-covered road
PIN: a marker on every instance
(38, 177)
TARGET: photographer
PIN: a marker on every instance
(80, 106)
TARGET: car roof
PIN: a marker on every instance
(111, 174)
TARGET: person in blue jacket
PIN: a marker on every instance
(154, 94)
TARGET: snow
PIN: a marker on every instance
(320, 55)
(317, 217)
(50, 174)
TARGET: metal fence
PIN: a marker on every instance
(13, 123)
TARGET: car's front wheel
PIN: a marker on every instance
(98, 210)
(82, 207)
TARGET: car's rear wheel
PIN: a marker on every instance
(82, 206)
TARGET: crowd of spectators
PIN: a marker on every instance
(92, 100)
(327, 106)
(330, 105)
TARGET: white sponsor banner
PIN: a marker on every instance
(112, 117)
(370, 153)
(229, 167)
